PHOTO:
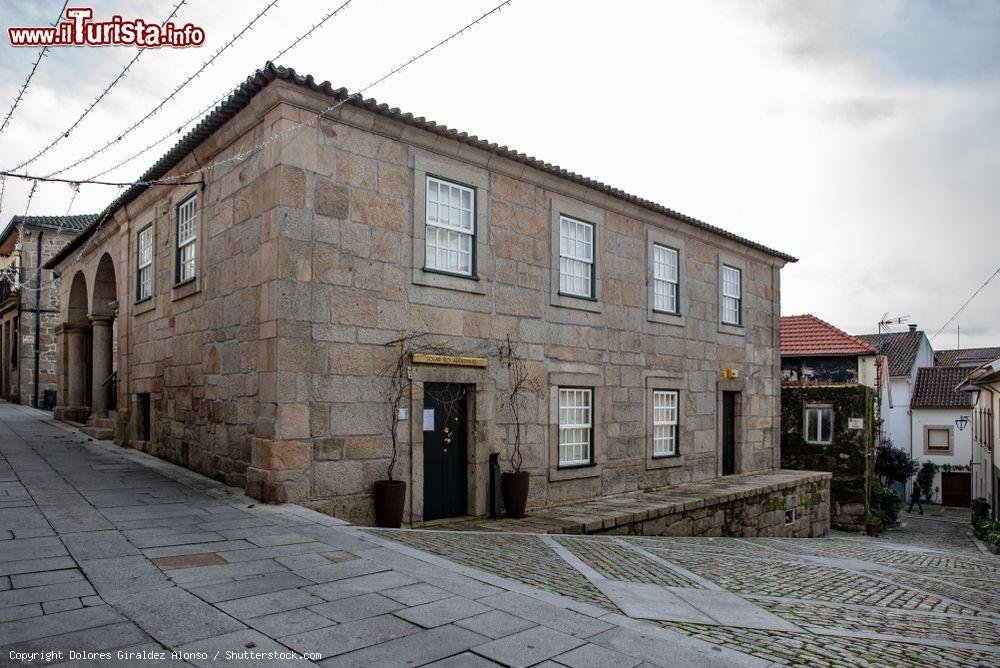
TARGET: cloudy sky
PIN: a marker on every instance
(861, 137)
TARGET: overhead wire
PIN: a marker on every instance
(297, 126)
(199, 113)
(31, 74)
(173, 93)
(107, 89)
(967, 302)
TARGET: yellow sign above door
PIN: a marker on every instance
(448, 360)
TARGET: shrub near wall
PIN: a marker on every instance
(844, 457)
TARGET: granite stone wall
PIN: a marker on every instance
(351, 281)
(794, 510)
(269, 370)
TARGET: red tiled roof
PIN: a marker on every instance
(935, 387)
(808, 335)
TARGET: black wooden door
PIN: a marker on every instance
(728, 433)
(956, 489)
(445, 451)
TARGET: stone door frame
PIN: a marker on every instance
(479, 411)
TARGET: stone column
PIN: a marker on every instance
(101, 333)
(76, 367)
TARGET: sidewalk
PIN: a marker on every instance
(105, 549)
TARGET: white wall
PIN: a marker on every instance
(961, 452)
(897, 416)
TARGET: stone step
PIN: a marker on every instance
(101, 423)
(99, 433)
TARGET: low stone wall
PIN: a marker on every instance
(751, 504)
(756, 513)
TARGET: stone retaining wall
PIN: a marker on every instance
(760, 512)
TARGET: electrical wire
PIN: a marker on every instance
(243, 156)
(65, 133)
(967, 302)
(173, 93)
(24, 87)
(201, 112)
(239, 157)
(72, 182)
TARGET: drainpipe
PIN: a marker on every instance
(38, 312)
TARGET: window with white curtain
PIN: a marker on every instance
(732, 295)
(819, 424)
(665, 403)
(576, 257)
(576, 425)
(450, 229)
(665, 279)
(144, 273)
(187, 238)
(938, 439)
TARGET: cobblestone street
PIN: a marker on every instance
(104, 549)
(924, 595)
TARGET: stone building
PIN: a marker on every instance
(29, 306)
(264, 297)
(831, 389)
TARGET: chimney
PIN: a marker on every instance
(913, 327)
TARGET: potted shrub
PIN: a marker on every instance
(390, 494)
(515, 483)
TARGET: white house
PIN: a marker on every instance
(941, 431)
(906, 352)
(983, 387)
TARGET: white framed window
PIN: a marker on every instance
(576, 425)
(819, 424)
(939, 439)
(665, 404)
(576, 257)
(732, 295)
(450, 229)
(665, 278)
(144, 264)
(187, 238)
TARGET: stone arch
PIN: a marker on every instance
(76, 306)
(104, 305)
(105, 299)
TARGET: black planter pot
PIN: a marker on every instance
(390, 497)
(515, 493)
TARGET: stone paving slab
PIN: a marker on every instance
(162, 557)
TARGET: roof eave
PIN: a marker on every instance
(257, 81)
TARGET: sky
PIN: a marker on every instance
(861, 137)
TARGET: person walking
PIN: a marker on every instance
(915, 498)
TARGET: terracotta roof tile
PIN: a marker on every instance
(808, 335)
(935, 387)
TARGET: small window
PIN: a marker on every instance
(790, 516)
(665, 275)
(939, 439)
(576, 258)
(187, 237)
(576, 426)
(819, 424)
(732, 295)
(664, 423)
(144, 274)
(450, 230)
